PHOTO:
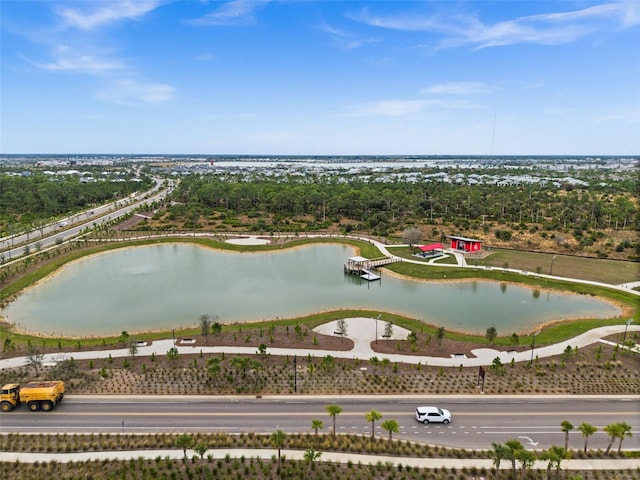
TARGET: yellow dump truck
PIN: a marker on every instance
(36, 395)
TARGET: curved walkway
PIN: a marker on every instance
(362, 331)
(462, 262)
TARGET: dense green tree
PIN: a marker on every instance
(185, 441)
(491, 333)
(32, 201)
(205, 326)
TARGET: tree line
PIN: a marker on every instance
(29, 200)
(384, 206)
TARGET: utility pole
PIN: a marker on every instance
(533, 344)
(624, 337)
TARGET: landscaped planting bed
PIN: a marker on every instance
(248, 467)
(597, 369)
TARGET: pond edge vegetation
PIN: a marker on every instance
(551, 333)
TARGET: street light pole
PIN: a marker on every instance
(551, 268)
(295, 374)
(377, 318)
(624, 337)
(533, 344)
(173, 337)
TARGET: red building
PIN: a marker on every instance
(431, 250)
(464, 244)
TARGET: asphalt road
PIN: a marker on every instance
(52, 234)
(477, 421)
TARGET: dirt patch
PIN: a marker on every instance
(271, 337)
(431, 348)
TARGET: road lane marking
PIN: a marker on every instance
(342, 415)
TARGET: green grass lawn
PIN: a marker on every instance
(595, 269)
(602, 270)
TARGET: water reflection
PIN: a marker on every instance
(171, 285)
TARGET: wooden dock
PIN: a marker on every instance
(366, 268)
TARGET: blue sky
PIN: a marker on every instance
(297, 77)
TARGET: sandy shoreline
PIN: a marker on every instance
(625, 310)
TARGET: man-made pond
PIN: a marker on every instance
(171, 285)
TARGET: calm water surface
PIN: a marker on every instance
(171, 286)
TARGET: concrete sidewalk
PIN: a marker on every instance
(337, 457)
(362, 331)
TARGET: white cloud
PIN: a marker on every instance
(401, 108)
(546, 29)
(346, 40)
(630, 13)
(108, 12)
(66, 59)
(393, 108)
(235, 12)
(459, 88)
(135, 92)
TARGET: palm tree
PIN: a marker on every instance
(278, 439)
(613, 430)
(334, 411)
(513, 448)
(311, 456)
(554, 455)
(625, 431)
(372, 416)
(587, 430)
(499, 452)
(317, 425)
(526, 459)
(566, 426)
(390, 426)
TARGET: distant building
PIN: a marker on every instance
(465, 244)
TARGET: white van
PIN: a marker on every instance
(428, 415)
